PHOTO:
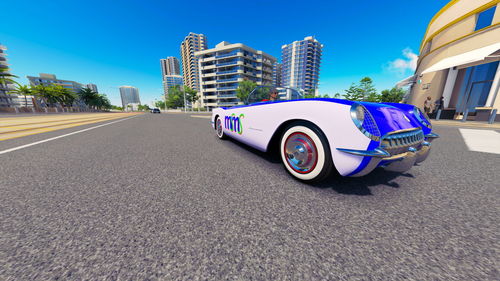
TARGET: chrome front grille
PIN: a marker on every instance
(399, 141)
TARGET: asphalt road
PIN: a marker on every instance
(159, 197)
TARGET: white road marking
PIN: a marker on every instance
(62, 136)
(202, 116)
(482, 140)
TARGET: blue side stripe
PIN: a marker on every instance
(372, 145)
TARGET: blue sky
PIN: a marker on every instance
(114, 43)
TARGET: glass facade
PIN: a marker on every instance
(129, 95)
(170, 81)
(475, 86)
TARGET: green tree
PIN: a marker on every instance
(61, 95)
(160, 104)
(392, 95)
(88, 96)
(6, 77)
(365, 91)
(22, 90)
(245, 87)
(100, 102)
(43, 92)
(354, 93)
(337, 96)
(143, 107)
(191, 95)
(368, 90)
(310, 94)
(175, 97)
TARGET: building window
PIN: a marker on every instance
(485, 18)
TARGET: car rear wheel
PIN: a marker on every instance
(305, 152)
(218, 129)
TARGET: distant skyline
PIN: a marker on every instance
(92, 41)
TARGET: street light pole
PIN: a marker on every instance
(184, 91)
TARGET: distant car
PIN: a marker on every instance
(155, 110)
(317, 136)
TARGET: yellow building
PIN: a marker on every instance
(459, 60)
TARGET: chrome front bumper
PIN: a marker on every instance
(400, 162)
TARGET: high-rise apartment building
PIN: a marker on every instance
(129, 95)
(170, 72)
(93, 87)
(170, 66)
(300, 64)
(225, 66)
(277, 74)
(191, 44)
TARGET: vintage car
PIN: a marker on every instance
(317, 136)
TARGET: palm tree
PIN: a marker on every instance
(68, 97)
(63, 96)
(88, 96)
(6, 77)
(43, 92)
(22, 90)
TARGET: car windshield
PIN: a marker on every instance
(270, 94)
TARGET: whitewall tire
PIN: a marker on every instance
(305, 152)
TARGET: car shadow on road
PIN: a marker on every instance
(270, 157)
(361, 186)
(343, 185)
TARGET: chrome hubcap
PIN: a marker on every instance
(301, 154)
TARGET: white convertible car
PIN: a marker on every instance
(316, 136)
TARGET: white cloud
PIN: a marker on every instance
(404, 65)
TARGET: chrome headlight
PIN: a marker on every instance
(422, 117)
(363, 119)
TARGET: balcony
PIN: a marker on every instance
(228, 63)
(211, 66)
(235, 79)
(209, 82)
(227, 96)
(227, 71)
(229, 55)
(227, 103)
(228, 88)
(207, 59)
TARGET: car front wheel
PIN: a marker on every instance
(305, 152)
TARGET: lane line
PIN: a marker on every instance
(100, 116)
(481, 140)
(202, 116)
(73, 123)
(65, 135)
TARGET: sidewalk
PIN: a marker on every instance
(468, 124)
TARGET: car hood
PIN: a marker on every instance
(390, 118)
